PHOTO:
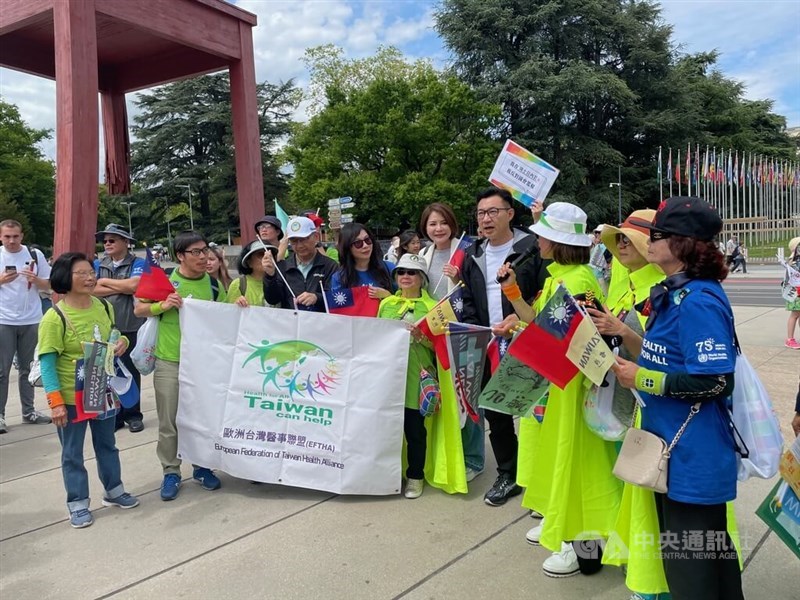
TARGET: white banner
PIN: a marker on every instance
(293, 397)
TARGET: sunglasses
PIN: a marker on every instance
(659, 235)
(401, 272)
(359, 244)
(623, 239)
(109, 241)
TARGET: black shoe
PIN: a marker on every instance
(135, 426)
(504, 488)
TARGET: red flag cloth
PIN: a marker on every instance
(353, 302)
(543, 345)
(154, 284)
(457, 258)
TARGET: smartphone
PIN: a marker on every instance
(11, 269)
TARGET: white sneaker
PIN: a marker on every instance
(562, 564)
(534, 535)
(535, 514)
(3, 428)
(472, 473)
(414, 488)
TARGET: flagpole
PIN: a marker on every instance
(277, 269)
(669, 171)
(679, 173)
(660, 178)
(324, 297)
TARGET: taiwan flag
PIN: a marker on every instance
(353, 302)
(496, 350)
(543, 345)
(434, 324)
(154, 285)
(458, 255)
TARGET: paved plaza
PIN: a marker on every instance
(270, 541)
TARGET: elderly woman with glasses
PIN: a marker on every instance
(685, 376)
(361, 263)
(77, 319)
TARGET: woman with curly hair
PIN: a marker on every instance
(685, 376)
(361, 263)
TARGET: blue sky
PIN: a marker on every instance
(759, 42)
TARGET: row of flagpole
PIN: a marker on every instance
(758, 197)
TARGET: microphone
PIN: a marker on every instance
(519, 261)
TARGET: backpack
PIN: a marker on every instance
(35, 374)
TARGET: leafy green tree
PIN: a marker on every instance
(393, 135)
(184, 136)
(27, 184)
(593, 85)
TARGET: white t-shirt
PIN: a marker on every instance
(495, 257)
(20, 305)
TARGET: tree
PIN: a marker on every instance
(593, 85)
(393, 135)
(184, 136)
(27, 184)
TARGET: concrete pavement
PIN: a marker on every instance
(271, 541)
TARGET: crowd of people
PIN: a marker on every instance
(653, 285)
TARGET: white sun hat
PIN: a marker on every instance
(563, 223)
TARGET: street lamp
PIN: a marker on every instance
(128, 203)
(191, 212)
(618, 185)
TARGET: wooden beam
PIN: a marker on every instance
(247, 136)
(21, 54)
(232, 10)
(18, 14)
(184, 21)
(140, 73)
(77, 150)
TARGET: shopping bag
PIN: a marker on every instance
(429, 393)
(143, 354)
(608, 409)
(756, 424)
(123, 385)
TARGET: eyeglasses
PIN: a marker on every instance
(402, 272)
(623, 239)
(659, 235)
(265, 226)
(490, 212)
(198, 251)
(109, 241)
(85, 274)
(359, 244)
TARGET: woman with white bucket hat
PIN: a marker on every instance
(564, 466)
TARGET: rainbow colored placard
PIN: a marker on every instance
(526, 176)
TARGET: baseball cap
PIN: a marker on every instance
(686, 216)
(300, 227)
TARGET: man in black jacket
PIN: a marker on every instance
(484, 304)
(306, 270)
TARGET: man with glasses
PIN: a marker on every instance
(118, 274)
(23, 272)
(484, 304)
(306, 271)
(189, 279)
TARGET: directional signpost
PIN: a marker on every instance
(335, 215)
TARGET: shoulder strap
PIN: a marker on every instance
(214, 288)
(242, 284)
(107, 309)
